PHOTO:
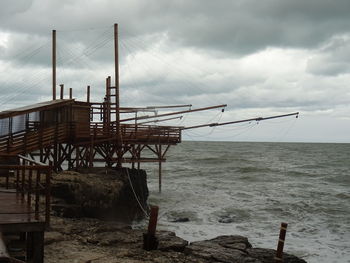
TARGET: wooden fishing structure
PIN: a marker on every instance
(64, 133)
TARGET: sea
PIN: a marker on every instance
(249, 188)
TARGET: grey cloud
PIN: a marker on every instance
(9, 7)
(333, 58)
(238, 27)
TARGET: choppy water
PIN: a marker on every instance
(257, 186)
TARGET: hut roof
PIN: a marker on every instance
(35, 107)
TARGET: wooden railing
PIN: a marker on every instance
(132, 133)
(32, 182)
(36, 136)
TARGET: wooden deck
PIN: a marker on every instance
(16, 217)
(23, 211)
(13, 209)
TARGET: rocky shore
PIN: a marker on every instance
(91, 224)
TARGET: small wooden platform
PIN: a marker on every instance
(13, 209)
(16, 217)
(24, 209)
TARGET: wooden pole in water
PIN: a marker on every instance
(54, 64)
(282, 237)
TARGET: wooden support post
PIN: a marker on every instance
(160, 176)
(282, 237)
(133, 156)
(53, 64)
(70, 93)
(37, 194)
(150, 241)
(62, 91)
(9, 174)
(55, 145)
(77, 158)
(17, 180)
(29, 193)
(91, 150)
(48, 195)
(35, 247)
(160, 168)
(138, 157)
(22, 181)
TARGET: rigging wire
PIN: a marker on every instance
(178, 69)
(37, 77)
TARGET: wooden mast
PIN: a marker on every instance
(54, 64)
(117, 106)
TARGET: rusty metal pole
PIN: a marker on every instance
(150, 241)
(282, 237)
(117, 106)
(53, 64)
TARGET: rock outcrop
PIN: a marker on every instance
(231, 249)
(100, 193)
(91, 240)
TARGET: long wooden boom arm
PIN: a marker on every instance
(174, 113)
(240, 121)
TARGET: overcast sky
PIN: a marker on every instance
(260, 57)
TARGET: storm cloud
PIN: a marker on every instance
(259, 57)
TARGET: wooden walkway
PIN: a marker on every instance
(13, 209)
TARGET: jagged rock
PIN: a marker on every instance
(103, 241)
(268, 255)
(222, 249)
(168, 241)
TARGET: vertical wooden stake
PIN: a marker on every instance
(282, 237)
(70, 93)
(150, 241)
